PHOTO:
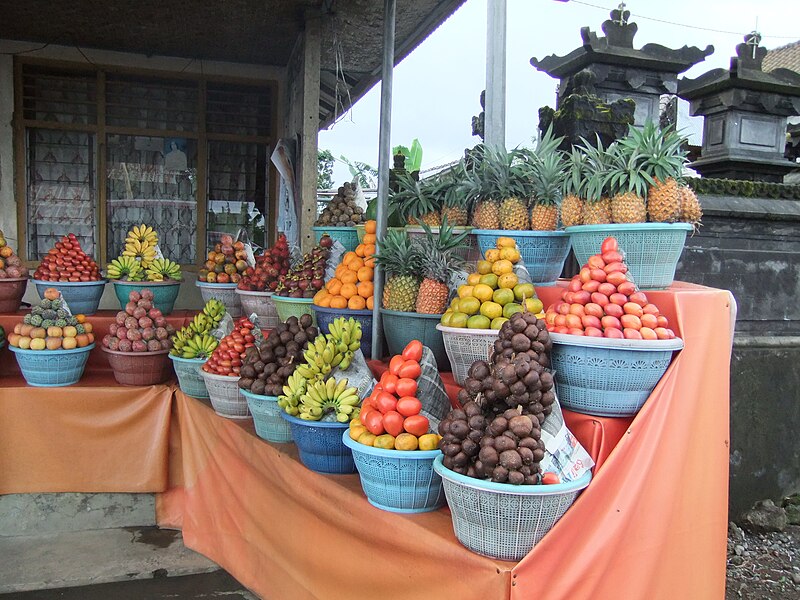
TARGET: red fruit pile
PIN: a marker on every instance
(67, 261)
(306, 277)
(140, 327)
(393, 407)
(228, 357)
(269, 267)
(226, 263)
(601, 301)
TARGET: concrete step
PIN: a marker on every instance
(30, 514)
(86, 558)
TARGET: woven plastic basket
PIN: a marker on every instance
(164, 292)
(347, 236)
(267, 418)
(652, 250)
(82, 297)
(139, 368)
(325, 316)
(471, 251)
(501, 520)
(225, 293)
(262, 304)
(287, 307)
(543, 252)
(608, 378)
(225, 395)
(11, 293)
(402, 327)
(52, 368)
(189, 378)
(465, 346)
(320, 445)
(398, 480)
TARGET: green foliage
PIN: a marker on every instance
(325, 162)
(366, 175)
(413, 155)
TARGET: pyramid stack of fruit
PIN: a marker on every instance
(601, 301)
(270, 265)
(493, 293)
(49, 326)
(11, 266)
(226, 263)
(195, 340)
(305, 278)
(66, 261)
(140, 327)
(229, 355)
(139, 260)
(342, 210)
(352, 286)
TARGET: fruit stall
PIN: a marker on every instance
(517, 425)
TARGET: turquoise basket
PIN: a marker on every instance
(189, 378)
(398, 480)
(292, 307)
(267, 418)
(164, 294)
(347, 236)
(52, 368)
(82, 297)
(652, 250)
(320, 445)
(402, 327)
(543, 252)
(326, 316)
(225, 293)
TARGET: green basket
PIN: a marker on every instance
(347, 236)
(293, 307)
(402, 327)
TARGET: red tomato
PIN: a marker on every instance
(581, 297)
(607, 289)
(406, 387)
(385, 402)
(413, 351)
(614, 310)
(593, 332)
(393, 423)
(552, 478)
(613, 333)
(631, 334)
(596, 262)
(408, 406)
(365, 410)
(591, 286)
(410, 369)
(626, 287)
(599, 275)
(374, 422)
(395, 364)
(575, 284)
(612, 257)
(609, 245)
(585, 275)
(617, 267)
(594, 310)
(630, 322)
(389, 382)
(416, 425)
(639, 298)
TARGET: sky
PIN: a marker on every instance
(436, 89)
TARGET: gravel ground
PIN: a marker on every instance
(763, 566)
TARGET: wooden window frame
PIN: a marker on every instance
(101, 130)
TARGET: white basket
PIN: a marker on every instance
(225, 293)
(465, 346)
(225, 396)
(262, 304)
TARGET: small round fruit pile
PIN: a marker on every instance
(267, 368)
(601, 301)
(390, 416)
(227, 359)
(270, 265)
(50, 327)
(493, 293)
(11, 266)
(352, 285)
(140, 327)
(226, 263)
(342, 210)
(67, 261)
(306, 277)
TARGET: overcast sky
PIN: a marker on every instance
(437, 87)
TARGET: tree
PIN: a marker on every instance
(366, 175)
(324, 169)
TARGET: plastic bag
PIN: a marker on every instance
(431, 391)
(244, 237)
(564, 454)
(335, 254)
(358, 375)
(358, 194)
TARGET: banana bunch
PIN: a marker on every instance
(142, 233)
(215, 310)
(346, 335)
(163, 268)
(144, 251)
(125, 267)
(293, 391)
(329, 397)
(335, 349)
(187, 344)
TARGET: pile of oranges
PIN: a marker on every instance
(352, 285)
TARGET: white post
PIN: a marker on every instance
(495, 120)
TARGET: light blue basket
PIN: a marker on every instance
(400, 328)
(164, 293)
(82, 297)
(608, 378)
(501, 520)
(189, 378)
(320, 445)
(267, 418)
(52, 368)
(543, 252)
(398, 481)
(652, 250)
(325, 316)
(347, 236)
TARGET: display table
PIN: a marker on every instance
(652, 524)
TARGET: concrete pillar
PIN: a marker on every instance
(8, 205)
(309, 129)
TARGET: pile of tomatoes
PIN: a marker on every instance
(228, 357)
(66, 261)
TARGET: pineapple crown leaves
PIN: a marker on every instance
(398, 255)
(548, 178)
(577, 172)
(437, 253)
(446, 240)
(662, 150)
(598, 165)
(501, 175)
(455, 193)
(627, 171)
(415, 198)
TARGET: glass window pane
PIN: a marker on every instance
(63, 97)
(153, 180)
(60, 178)
(148, 103)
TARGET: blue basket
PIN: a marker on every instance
(225, 293)
(402, 327)
(543, 252)
(320, 445)
(164, 293)
(267, 418)
(326, 316)
(189, 378)
(501, 520)
(652, 250)
(398, 480)
(608, 378)
(347, 236)
(52, 368)
(82, 297)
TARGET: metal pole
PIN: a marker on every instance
(384, 162)
(495, 124)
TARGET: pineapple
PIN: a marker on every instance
(691, 211)
(486, 215)
(664, 160)
(417, 201)
(438, 263)
(627, 183)
(502, 178)
(514, 214)
(572, 202)
(548, 179)
(455, 203)
(597, 209)
(401, 262)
